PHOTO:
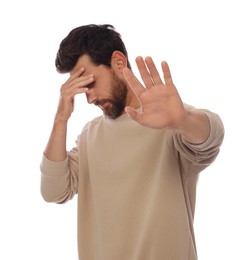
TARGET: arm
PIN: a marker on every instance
(161, 104)
(194, 127)
(59, 172)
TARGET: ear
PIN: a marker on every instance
(118, 61)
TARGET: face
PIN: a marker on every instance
(109, 92)
(114, 105)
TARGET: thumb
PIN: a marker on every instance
(132, 113)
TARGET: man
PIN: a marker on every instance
(135, 168)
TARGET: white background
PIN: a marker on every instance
(206, 44)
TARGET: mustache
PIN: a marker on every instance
(102, 101)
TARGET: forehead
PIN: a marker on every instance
(83, 61)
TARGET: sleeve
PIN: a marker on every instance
(59, 180)
(203, 154)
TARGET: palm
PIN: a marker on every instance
(161, 104)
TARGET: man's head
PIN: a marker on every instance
(101, 52)
(97, 41)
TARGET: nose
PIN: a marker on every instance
(91, 96)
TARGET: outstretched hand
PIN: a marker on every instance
(160, 101)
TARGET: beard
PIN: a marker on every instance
(117, 101)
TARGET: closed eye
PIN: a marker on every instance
(91, 85)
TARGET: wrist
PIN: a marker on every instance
(194, 127)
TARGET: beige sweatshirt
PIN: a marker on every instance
(136, 189)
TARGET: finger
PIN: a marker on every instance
(153, 71)
(80, 81)
(133, 114)
(75, 75)
(84, 82)
(145, 75)
(166, 73)
(133, 82)
(78, 85)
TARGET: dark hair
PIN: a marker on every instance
(97, 41)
